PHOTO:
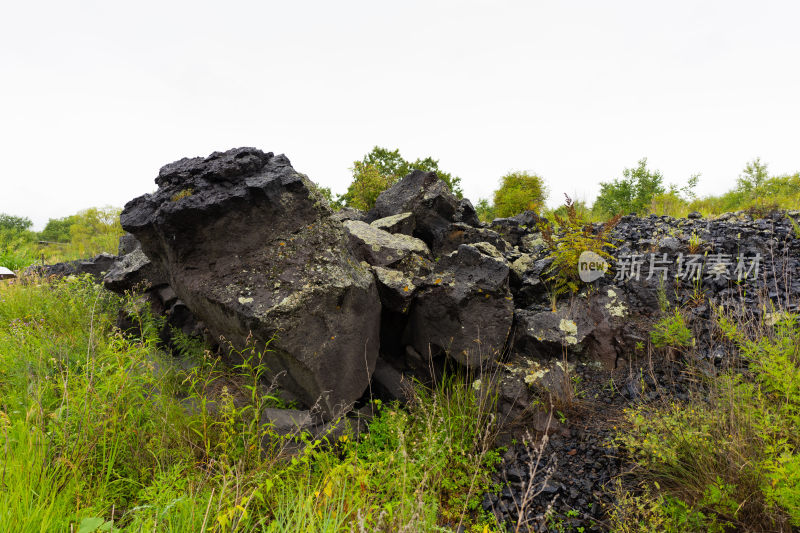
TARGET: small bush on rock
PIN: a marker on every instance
(671, 331)
(567, 240)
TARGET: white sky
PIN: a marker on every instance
(96, 96)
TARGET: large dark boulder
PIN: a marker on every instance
(431, 202)
(465, 308)
(514, 228)
(251, 248)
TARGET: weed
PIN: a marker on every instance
(567, 241)
(728, 460)
(100, 431)
(695, 242)
(184, 193)
(671, 331)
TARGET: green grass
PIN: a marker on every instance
(728, 458)
(95, 434)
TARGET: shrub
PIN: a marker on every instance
(57, 229)
(518, 192)
(15, 224)
(670, 204)
(567, 240)
(96, 230)
(729, 456)
(485, 210)
(671, 331)
(632, 193)
(380, 168)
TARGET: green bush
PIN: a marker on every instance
(730, 456)
(567, 239)
(57, 229)
(485, 210)
(671, 331)
(632, 193)
(380, 169)
(14, 224)
(670, 204)
(518, 192)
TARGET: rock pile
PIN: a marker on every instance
(239, 246)
(247, 246)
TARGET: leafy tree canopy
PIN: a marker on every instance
(12, 223)
(518, 192)
(485, 210)
(380, 168)
(754, 176)
(96, 229)
(631, 194)
(57, 229)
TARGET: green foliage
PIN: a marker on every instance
(12, 223)
(381, 168)
(368, 183)
(669, 203)
(632, 193)
(653, 511)
(16, 247)
(101, 431)
(671, 331)
(84, 234)
(728, 459)
(518, 192)
(485, 210)
(755, 190)
(795, 227)
(95, 230)
(183, 193)
(567, 240)
(15, 241)
(753, 177)
(326, 193)
(57, 229)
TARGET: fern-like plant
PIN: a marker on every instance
(567, 238)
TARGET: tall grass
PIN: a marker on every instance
(101, 432)
(728, 459)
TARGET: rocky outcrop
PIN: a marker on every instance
(252, 248)
(465, 308)
(95, 267)
(403, 223)
(433, 205)
(381, 248)
(238, 243)
(133, 270)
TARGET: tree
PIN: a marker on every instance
(367, 184)
(96, 229)
(380, 168)
(57, 229)
(754, 177)
(631, 194)
(518, 192)
(15, 224)
(485, 210)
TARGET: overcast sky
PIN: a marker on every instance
(96, 96)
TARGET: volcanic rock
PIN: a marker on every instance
(251, 247)
(465, 308)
